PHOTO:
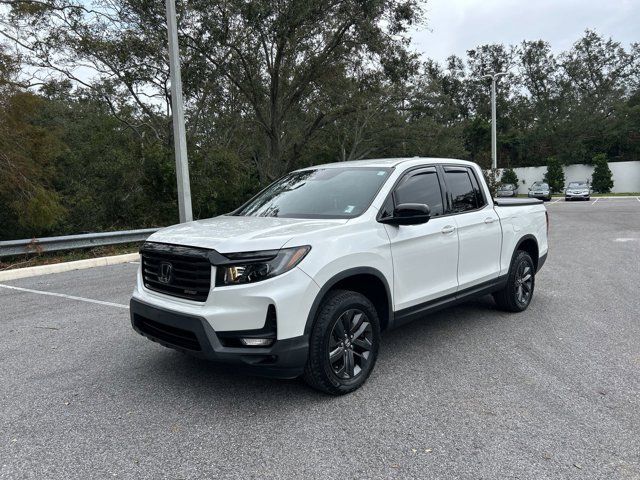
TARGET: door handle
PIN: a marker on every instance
(489, 220)
(448, 229)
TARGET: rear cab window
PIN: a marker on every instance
(464, 189)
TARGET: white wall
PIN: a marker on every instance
(626, 175)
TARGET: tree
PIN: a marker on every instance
(509, 176)
(29, 203)
(287, 58)
(85, 118)
(491, 177)
(554, 175)
(601, 180)
(284, 60)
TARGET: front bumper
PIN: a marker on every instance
(576, 195)
(194, 335)
(244, 307)
(540, 195)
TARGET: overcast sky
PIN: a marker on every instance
(455, 26)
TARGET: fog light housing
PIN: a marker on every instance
(256, 342)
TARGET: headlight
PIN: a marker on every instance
(253, 267)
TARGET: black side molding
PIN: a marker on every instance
(407, 315)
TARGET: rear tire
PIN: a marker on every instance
(518, 292)
(344, 341)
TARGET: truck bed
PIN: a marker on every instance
(516, 202)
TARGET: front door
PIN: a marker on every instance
(425, 257)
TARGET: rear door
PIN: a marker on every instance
(479, 230)
(425, 257)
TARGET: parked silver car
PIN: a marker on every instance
(580, 190)
(540, 190)
(507, 190)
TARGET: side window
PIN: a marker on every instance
(421, 187)
(463, 195)
(480, 201)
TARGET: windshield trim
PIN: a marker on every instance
(389, 169)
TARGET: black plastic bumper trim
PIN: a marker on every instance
(541, 260)
(284, 359)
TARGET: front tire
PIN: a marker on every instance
(344, 341)
(518, 292)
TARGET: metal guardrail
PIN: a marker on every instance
(68, 242)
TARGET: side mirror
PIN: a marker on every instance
(409, 214)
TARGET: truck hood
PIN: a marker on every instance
(227, 234)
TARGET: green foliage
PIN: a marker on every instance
(29, 203)
(41, 211)
(509, 176)
(220, 181)
(269, 87)
(554, 175)
(601, 181)
(491, 176)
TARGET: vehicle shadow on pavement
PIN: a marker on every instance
(457, 318)
(201, 381)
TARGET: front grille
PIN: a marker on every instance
(177, 271)
(168, 334)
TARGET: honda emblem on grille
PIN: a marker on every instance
(165, 273)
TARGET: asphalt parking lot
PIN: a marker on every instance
(470, 392)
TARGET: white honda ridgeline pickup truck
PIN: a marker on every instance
(303, 278)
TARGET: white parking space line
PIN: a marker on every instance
(62, 295)
(556, 201)
(595, 201)
(638, 198)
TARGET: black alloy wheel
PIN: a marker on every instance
(343, 344)
(518, 291)
(350, 344)
(524, 283)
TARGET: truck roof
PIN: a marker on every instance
(389, 162)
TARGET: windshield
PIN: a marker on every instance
(578, 185)
(540, 185)
(507, 186)
(344, 192)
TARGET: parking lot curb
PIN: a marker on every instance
(67, 266)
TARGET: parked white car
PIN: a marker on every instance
(580, 190)
(302, 278)
(507, 190)
(540, 190)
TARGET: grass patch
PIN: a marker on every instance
(48, 258)
(621, 194)
(594, 195)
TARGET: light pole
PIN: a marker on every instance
(494, 147)
(179, 133)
